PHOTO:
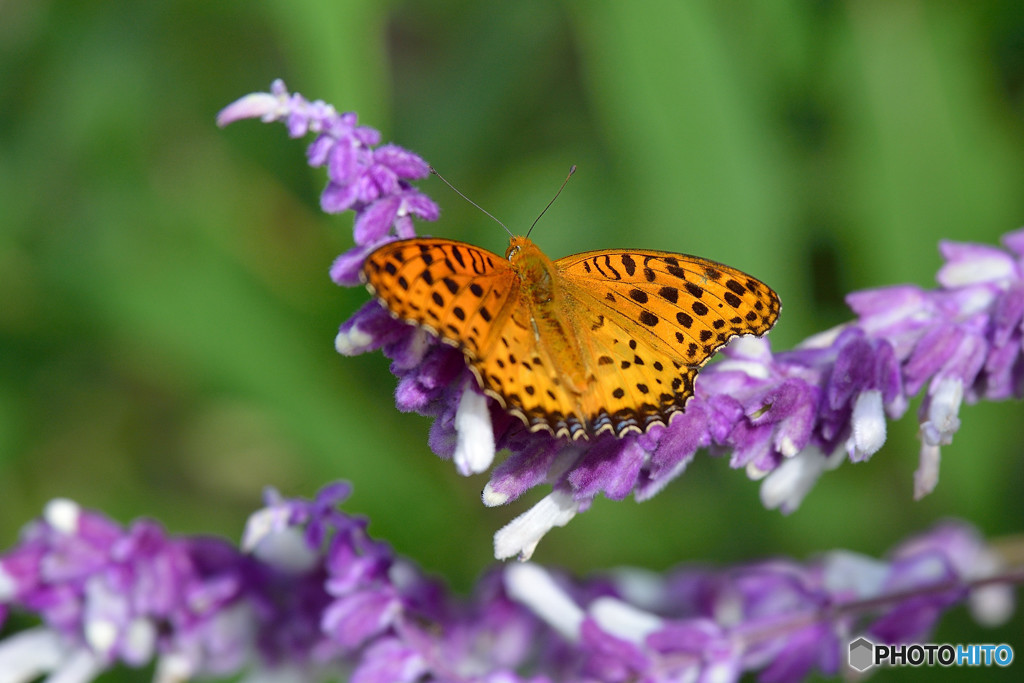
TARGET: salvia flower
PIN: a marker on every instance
(785, 417)
(109, 594)
(371, 180)
(311, 596)
(779, 617)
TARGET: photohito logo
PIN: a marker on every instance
(864, 654)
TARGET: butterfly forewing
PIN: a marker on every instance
(452, 289)
(470, 298)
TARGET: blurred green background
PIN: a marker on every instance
(166, 319)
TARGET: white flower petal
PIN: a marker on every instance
(640, 587)
(992, 605)
(286, 549)
(139, 641)
(62, 514)
(823, 339)
(8, 586)
(353, 342)
(261, 524)
(174, 668)
(868, 426)
(521, 535)
(926, 476)
(101, 634)
(27, 655)
(992, 266)
(489, 497)
(755, 473)
(943, 410)
(755, 370)
(787, 485)
(846, 571)
(474, 451)
(533, 587)
(938, 430)
(623, 620)
(254, 105)
(80, 666)
(787, 447)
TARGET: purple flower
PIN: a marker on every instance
(107, 594)
(781, 618)
(372, 181)
(310, 589)
(785, 417)
(314, 595)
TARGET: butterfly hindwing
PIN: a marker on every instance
(635, 384)
(519, 373)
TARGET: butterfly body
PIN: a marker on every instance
(542, 308)
(603, 341)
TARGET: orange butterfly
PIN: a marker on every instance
(604, 341)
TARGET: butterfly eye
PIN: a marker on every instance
(512, 251)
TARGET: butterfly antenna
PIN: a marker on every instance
(456, 191)
(571, 171)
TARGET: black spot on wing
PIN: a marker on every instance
(629, 264)
(648, 318)
(638, 296)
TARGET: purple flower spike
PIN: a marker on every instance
(781, 618)
(785, 417)
(372, 181)
(105, 594)
(317, 597)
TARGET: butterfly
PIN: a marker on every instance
(603, 341)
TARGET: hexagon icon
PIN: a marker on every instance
(862, 653)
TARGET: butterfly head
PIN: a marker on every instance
(518, 247)
(535, 269)
(522, 253)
